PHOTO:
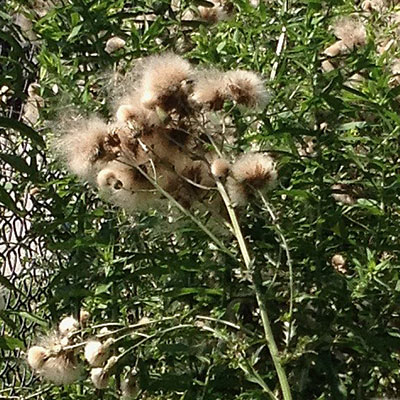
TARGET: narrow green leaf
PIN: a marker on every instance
(7, 284)
(10, 343)
(24, 129)
(17, 163)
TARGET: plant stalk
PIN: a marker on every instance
(269, 337)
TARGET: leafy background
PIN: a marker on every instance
(75, 251)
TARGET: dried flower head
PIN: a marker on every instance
(96, 353)
(113, 44)
(68, 325)
(131, 109)
(87, 146)
(162, 81)
(374, 5)
(339, 263)
(220, 167)
(129, 387)
(99, 378)
(37, 355)
(213, 14)
(209, 89)
(52, 361)
(246, 88)
(125, 186)
(254, 169)
(61, 369)
(84, 317)
(351, 31)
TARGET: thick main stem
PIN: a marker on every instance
(256, 278)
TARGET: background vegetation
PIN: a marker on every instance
(339, 336)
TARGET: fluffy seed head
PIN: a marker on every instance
(213, 14)
(246, 88)
(37, 356)
(220, 167)
(209, 89)
(99, 378)
(254, 169)
(96, 353)
(351, 31)
(339, 263)
(86, 147)
(132, 109)
(84, 317)
(125, 187)
(374, 5)
(61, 370)
(129, 388)
(113, 44)
(162, 78)
(118, 176)
(68, 325)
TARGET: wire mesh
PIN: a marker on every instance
(20, 250)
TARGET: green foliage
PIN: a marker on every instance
(341, 339)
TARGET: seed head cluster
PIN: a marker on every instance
(161, 136)
(51, 358)
(61, 355)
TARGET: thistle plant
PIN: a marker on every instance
(162, 146)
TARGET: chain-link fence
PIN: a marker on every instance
(23, 281)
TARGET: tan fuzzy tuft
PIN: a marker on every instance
(237, 192)
(374, 5)
(220, 167)
(129, 387)
(125, 186)
(86, 147)
(113, 44)
(254, 169)
(131, 109)
(339, 263)
(37, 356)
(96, 353)
(210, 89)
(246, 88)
(84, 317)
(61, 370)
(162, 81)
(99, 378)
(351, 31)
(118, 176)
(213, 14)
(68, 325)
